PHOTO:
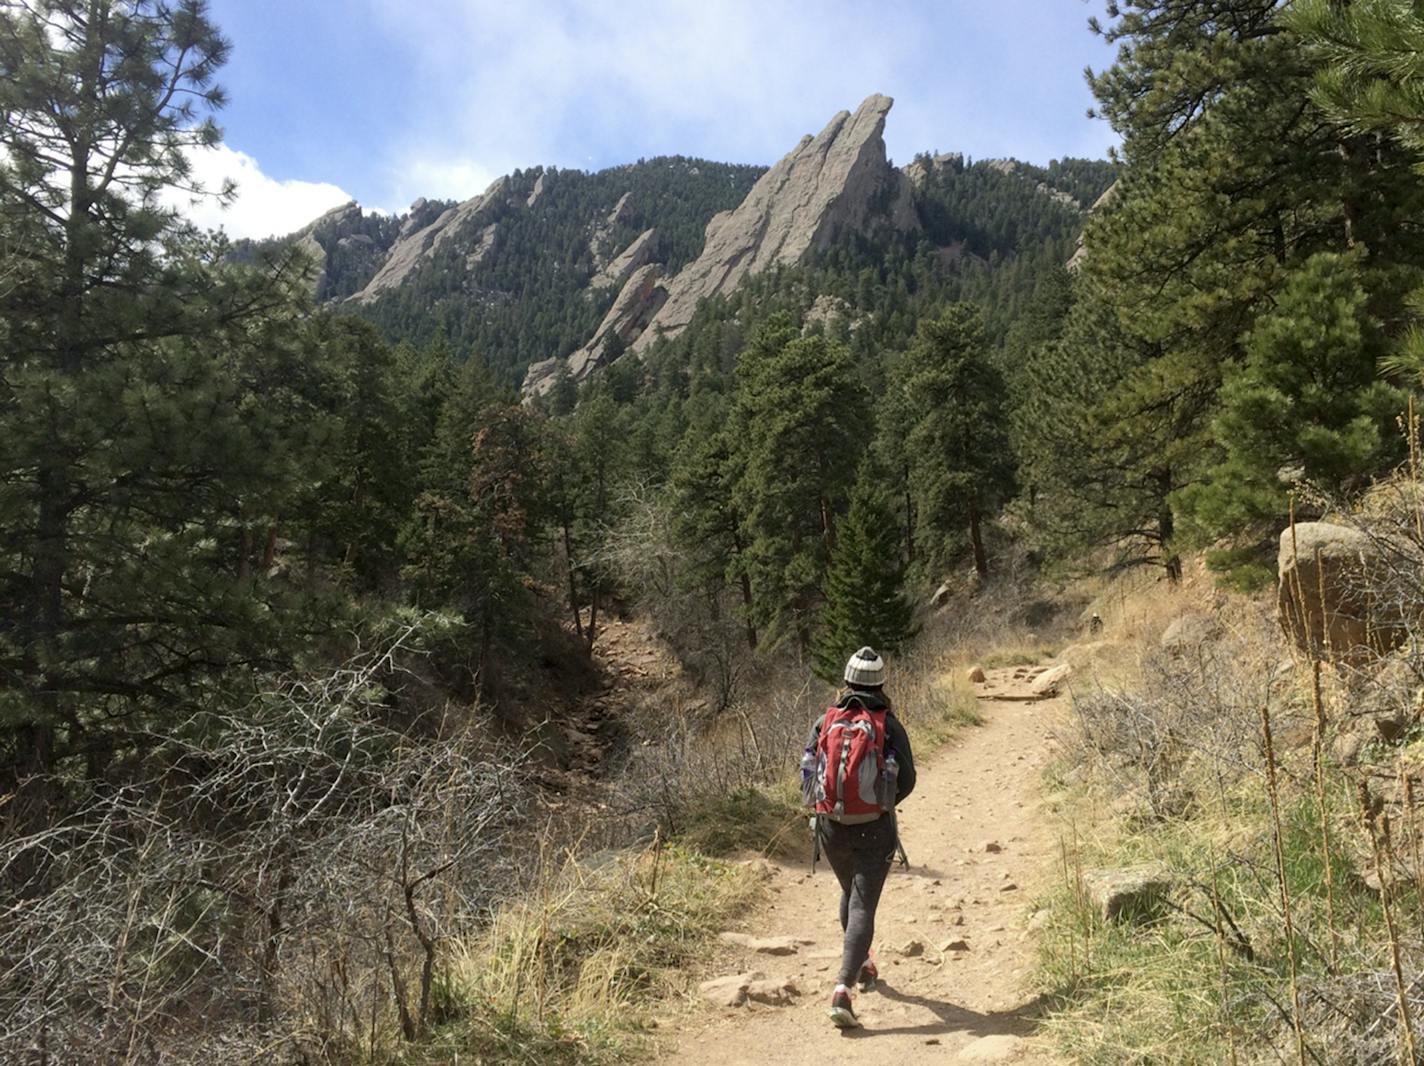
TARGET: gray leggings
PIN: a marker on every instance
(861, 856)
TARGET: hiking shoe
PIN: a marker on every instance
(841, 1012)
(869, 975)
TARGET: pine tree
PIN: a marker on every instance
(1232, 179)
(365, 501)
(162, 413)
(1108, 432)
(863, 599)
(1305, 404)
(1371, 55)
(948, 405)
(800, 426)
(707, 522)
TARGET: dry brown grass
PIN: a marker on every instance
(575, 971)
(1284, 943)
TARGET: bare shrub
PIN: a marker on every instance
(278, 884)
(1197, 712)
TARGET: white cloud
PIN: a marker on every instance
(440, 178)
(539, 81)
(548, 81)
(264, 207)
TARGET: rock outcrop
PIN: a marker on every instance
(1324, 597)
(824, 312)
(838, 181)
(637, 255)
(411, 249)
(636, 305)
(622, 210)
(920, 169)
(1081, 252)
(306, 237)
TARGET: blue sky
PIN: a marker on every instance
(386, 100)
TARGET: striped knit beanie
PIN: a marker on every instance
(865, 668)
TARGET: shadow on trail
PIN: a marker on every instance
(954, 1019)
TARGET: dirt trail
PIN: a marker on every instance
(980, 791)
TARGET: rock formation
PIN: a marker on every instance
(920, 169)
(411, 249)
(640, 253)
(630, 314)
(622, 211)
(825, 311)
(306, 239)
(836, 182)
(829, 184)
(1082, 251)
(1326, 593)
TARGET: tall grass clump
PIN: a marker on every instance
(573, 972)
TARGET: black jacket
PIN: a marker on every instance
(897, 741)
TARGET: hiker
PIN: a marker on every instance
(857, 766)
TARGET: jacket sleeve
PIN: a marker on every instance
(899, 740)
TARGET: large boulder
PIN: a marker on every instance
(1186, 635)
(1049, 683)
(1325, 600)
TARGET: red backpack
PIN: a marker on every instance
(846, 779)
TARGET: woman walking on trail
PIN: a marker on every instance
(857, 766)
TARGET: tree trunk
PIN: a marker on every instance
(1166, 527)
(592, 631)
(746, 583)
(244, 554)
(573, 584)
(909, 527)
(981, 559)
(267, 1003)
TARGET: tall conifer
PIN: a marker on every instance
(864, 601)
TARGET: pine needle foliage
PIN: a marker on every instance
(864, 586)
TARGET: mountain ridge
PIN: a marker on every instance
(551, 270)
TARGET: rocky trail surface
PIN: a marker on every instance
(953, 942)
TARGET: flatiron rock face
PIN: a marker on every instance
(636, 305)
(829, 184)
(412, 248)
(637, 255)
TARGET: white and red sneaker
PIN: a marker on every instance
(869, 975)
(841, 1012)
